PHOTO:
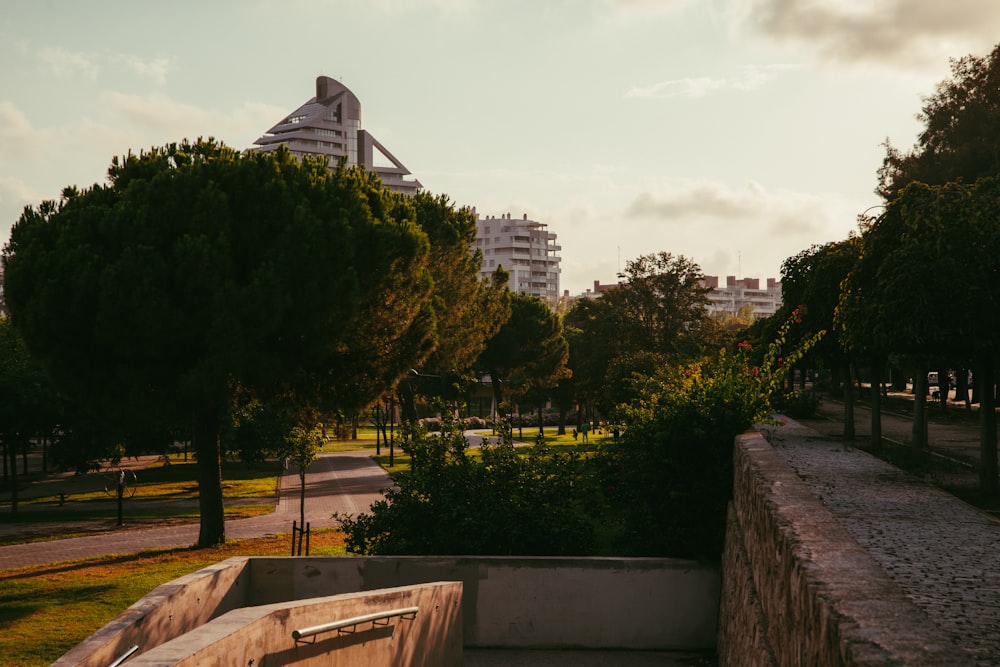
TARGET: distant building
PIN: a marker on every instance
(330, 124)
(525, 249)
(599, 289)
(737, 294)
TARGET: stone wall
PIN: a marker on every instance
(798, 589)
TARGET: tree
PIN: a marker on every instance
(27, 402)
(657, 314)
(810, 286)
(529, 351)
(661, 305)
(197, 270)
(961, 136)
(890, 304)
(302, 447)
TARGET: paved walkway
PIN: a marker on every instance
(344, 483)
(942, 552)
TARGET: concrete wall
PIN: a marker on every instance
(598, 603)
(629, 603)
(167, 612)
(797, 588)
(262, 635)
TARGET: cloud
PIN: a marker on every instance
(70, 64)
(18, 138)
(158, 118)
(90, 65)
(748, 78)
(680, 204)
(155, 69)
(911, 34)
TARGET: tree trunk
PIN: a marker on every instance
(12, 454)
(986, 379)
(919, 433)
(206, 446)
(962, 388)
(876, 391)
(302, 497)
(849, 403)
(497, 385)
(541, 423)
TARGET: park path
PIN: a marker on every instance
(336, 483)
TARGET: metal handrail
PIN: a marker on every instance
(124, 656)
(407, 612)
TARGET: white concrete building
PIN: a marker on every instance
(744, 292)
(525, 249)
(330, 124)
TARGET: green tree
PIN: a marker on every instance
(197, 270)
(961, 136)
(889, 303)
(302, 447)
(810, 286)
(28, 404)
(657, 314)
(528, 353)
(661, 305)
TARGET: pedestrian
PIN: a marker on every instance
(584, 427)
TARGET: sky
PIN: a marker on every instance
(736, 133)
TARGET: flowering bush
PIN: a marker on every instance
(671, 474)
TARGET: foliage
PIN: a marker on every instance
(198, 271)
(961, 136)
(656, 315)
(513, 502)
(528, 354)
(670, 474)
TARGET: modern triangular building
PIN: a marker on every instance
(330, 124)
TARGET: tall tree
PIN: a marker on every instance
(529, 352)
(657, 313)
(961, 136)
(810, 286)
(27, 402)
(890, 304)
(198, 269)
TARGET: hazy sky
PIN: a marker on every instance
(733, 132)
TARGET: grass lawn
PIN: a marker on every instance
(46, 610)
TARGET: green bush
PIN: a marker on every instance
(669, 477)
(514, 502)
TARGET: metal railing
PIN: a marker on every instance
(408, 613)
(125, 656)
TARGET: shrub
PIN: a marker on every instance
(670, 475)
(533, 503)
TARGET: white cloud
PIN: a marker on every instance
(65, 63)
(748, 78)
(154, 69)
(92, 65)
(19, 140)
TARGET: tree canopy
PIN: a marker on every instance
(196, 270)
(961, 136)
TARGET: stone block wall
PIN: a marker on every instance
(799, 590)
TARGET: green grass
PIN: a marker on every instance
(46, 610)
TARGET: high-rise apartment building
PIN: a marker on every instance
(330, 124)
(525, 249)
